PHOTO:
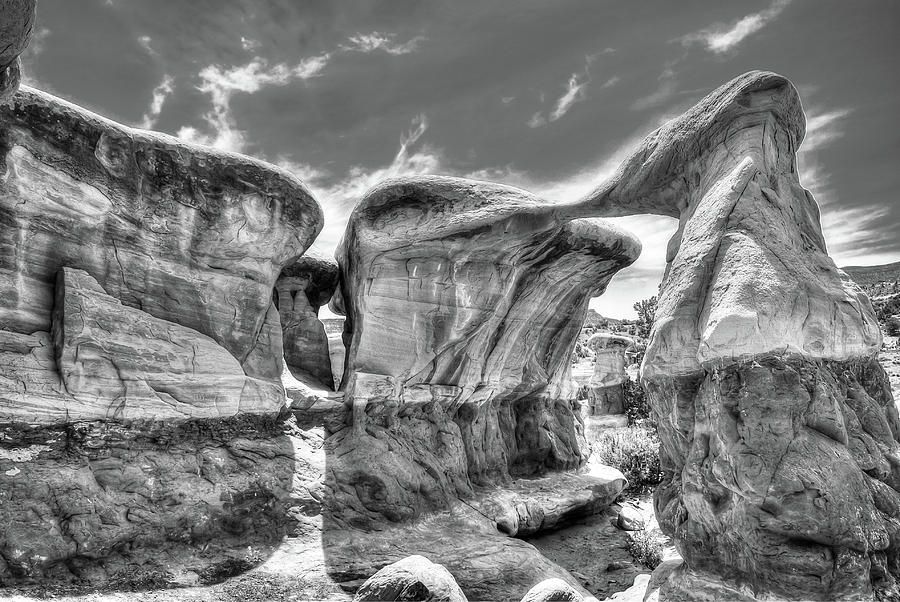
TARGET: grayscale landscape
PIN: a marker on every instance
(619, 320)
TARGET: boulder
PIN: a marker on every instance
(779, 433)
(414, 578)
(552, 590)
(630, 519)
(15, 32)
(184, 234)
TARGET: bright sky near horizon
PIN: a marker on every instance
(546, 95)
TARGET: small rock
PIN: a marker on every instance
(616, 566)
(552, 590)
(630, 519)
(413, 578)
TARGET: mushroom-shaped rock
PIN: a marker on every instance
(463, 302)
(779, 432)
(301, 289)
(16, 26)
(415, 578)
(186, 234)
(606, 394)
(552, 590)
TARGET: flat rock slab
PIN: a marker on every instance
(128, 365)
(531, 506)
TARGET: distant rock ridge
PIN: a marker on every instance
(876, 280)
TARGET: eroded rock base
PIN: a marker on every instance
(782, 477)
(96, 502)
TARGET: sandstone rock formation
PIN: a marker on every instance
(301, 289)
(779, 434)
(463, 301)
(605, 392)
(191, 238)
(414, 578)
(15, 33)
(141, 406)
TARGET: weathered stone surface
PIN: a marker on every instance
(15, 32)
(486, 564)
(463, 301)
(91, 501)
(414, 578)
(301, 289)
(630, 519)
(605, 392)
(120, 363)
(185, 234)
(779, 433)
(530, 506)
(552, 590)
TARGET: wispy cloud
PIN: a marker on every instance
(369, 42)
(144, 42)
(221, 84)
(721, 38)
(667, 88)
(857, 236)
(822, 128)
(339, 194)
(29, 58)
(575, 92)
(160, 94)
(249, 45)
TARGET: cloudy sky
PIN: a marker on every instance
(547, 95)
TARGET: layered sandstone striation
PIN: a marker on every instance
(142, 422)
(779, 433)
(463, 301)
(184, 238)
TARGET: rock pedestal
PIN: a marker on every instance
(779, 434)
(606, 394)
(463, 302)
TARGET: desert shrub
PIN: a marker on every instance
(637, 408)
(634, 451)
(892, 327)
(646, 311)
(582, 393)
(646, 547)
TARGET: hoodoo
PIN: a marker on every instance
(779, 432)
